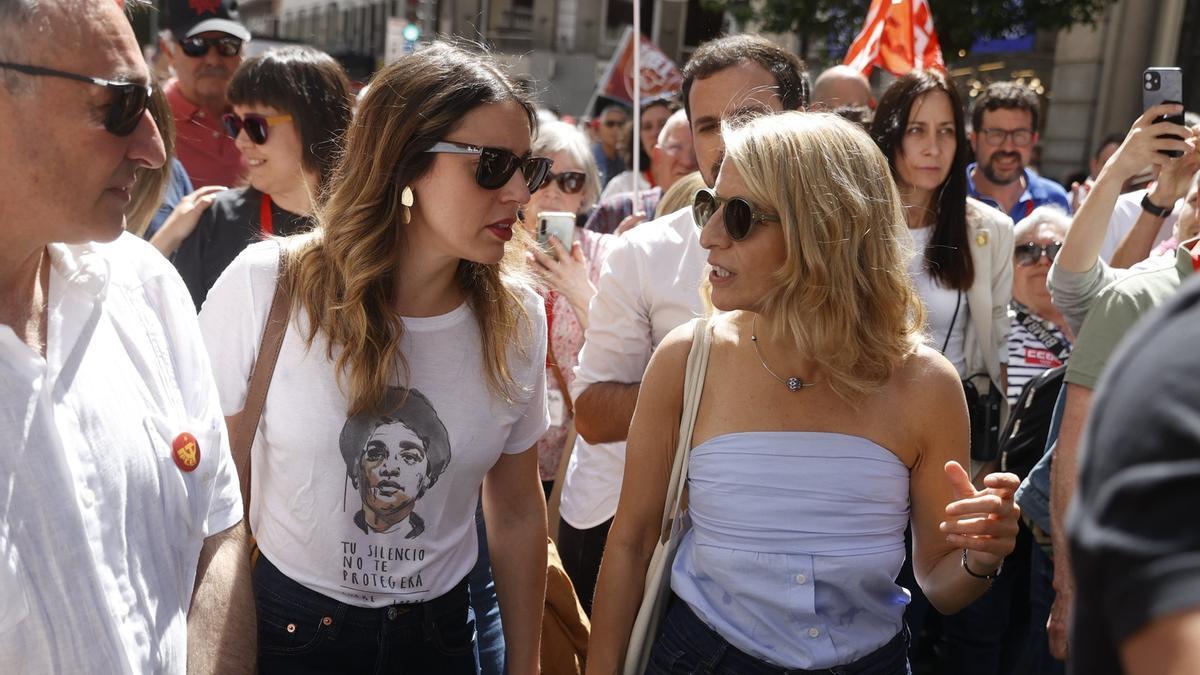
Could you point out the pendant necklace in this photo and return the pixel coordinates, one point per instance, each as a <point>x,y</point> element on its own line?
<point>792,383</point>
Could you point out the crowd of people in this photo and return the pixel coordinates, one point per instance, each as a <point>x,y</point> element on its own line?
<point>298,379</point>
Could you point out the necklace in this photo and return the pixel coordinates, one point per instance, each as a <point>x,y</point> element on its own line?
<point>792,383</point>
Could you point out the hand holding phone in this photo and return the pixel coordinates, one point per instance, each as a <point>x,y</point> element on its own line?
<point>1164,85</point>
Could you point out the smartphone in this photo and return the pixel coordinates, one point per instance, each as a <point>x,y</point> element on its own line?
<point>559,224</point>
<point>1164,85</point>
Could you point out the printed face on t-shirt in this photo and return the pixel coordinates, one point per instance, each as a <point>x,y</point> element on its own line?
<point>393,474</point>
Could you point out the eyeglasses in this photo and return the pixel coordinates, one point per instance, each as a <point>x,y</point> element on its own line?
<point>129,99</point>
<point>570,182</point>
<point>255,125</point>
<point>199,46</point>
<point>996,137</point>
<point>613,123</point>
<point>497,165</point>
<point>740,215</point>
<point>1029,254</point>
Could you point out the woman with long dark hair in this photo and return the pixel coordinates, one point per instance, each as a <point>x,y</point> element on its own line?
<point>410,374</point>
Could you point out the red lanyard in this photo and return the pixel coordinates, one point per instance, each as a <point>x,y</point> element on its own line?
<point>264,216</point>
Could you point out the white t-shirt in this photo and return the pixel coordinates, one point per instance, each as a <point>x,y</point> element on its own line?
<point>371,510</point>
<point>649,284</point>
<point>101,526</point>
<point>1125,214</point>
<point>947,314</point>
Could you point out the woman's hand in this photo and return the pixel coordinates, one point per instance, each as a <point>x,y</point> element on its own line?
<point>182,221</point>
<point>567,273</point>
<point>630,221</point>
<point>984,522</point>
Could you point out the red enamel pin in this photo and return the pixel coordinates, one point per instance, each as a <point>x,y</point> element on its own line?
<point>186,452</point>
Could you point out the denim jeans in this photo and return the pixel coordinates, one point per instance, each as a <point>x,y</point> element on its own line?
<point>304,632</point>
<point>581,552</point>
<point>686,645</point>
<point>1041,596</point>
<point>486,605</point>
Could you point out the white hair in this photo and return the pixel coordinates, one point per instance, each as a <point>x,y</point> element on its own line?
<point>559,136</point>
<point>1049,215</point>
<point>677,117</point>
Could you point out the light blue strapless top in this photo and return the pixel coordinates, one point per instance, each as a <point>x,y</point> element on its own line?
<point>795,544</point>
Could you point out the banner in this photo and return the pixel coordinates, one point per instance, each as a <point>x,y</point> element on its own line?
<point>897,36</point>
<point>660,75</point>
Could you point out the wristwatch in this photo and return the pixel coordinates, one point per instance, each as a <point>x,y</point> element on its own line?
<point>1155,210</point>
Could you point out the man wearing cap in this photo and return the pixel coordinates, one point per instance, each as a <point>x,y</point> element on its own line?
<point>204,47</point>
<point>122,548</point>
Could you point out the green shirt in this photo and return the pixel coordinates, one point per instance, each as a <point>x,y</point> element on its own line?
<point>1117,308</point>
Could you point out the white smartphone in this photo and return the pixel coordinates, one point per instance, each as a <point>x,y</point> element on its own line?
<point>559,224</point>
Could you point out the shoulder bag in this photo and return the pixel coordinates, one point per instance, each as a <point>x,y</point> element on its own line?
<point>657,589</point>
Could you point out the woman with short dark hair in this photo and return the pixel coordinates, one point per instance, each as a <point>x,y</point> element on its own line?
<point>291,106</point>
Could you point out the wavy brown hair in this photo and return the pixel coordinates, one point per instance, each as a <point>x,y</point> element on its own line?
<point>843,294</point>
<point>344,273</point>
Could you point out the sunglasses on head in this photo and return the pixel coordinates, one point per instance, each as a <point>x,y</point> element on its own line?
<point>497,165</point>
<point>740,215</point>
<point>199,46</point>
<point>129,99</point>
<point>256,126</point>
<point>1031,253</point>
<point>570,182</point>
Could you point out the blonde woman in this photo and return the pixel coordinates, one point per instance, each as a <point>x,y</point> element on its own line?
<point>830,427</point>
<point>410,373</point>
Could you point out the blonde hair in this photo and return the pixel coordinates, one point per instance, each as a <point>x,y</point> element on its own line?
<point>680,194</point>
<point>344,273</point>
<point>844,295</point>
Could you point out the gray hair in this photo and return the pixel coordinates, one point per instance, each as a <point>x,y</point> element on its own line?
<point>1049,215</point>
<point>557,136</point>
<point>15,17</point>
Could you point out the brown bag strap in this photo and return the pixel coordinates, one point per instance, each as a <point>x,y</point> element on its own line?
<point>560,380</point>
<point>243,430</point>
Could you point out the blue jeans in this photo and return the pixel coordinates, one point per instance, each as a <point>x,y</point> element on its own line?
<point>304,632</point>
<point>486,605</point>
<point>686,645</point>
<point>1041,595</point>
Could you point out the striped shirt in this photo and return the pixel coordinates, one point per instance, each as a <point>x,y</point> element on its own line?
<point>1028,355</point>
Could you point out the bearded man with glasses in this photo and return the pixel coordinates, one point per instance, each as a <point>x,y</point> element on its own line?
<point>204,48</point>
<point>121,548</point>
<point>1004,131</point>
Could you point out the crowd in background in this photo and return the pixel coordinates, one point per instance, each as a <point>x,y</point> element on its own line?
<point>911,451</point>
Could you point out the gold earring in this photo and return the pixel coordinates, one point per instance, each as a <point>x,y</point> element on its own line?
<point>406,199</point>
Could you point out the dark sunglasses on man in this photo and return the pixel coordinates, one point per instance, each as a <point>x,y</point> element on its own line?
<point>570,182</point>
<point>740,215</point>
<point>497,165</point>
<point>1031,253</point>
<point>255,125</point>
<point>129,99</point>
<point>226,45</point>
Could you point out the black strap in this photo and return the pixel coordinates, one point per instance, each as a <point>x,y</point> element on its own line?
<point>1039,331</point>
<point>953,320</point>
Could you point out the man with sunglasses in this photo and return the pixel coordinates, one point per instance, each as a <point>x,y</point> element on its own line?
<point>121,548</point>
<point>1004,131</point>
<point>204,48</point>
<point>609,124</point>
<point>650,285</point>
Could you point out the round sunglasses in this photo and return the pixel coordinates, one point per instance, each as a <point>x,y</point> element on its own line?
<point>740,215</point>
<point>129,99</point>
<point>256,126</point>
<point>570,182</point>
<point>497,165</point>
<point>1031,253</point>
<point>199,46</point>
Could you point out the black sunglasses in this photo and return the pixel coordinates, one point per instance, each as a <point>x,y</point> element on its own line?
<point>199,46</point>
<point>1031,253</point>
<point>497,165</point>
<point>570,182</point>
<point>256,126</point>
<point>740,215</point>
<point>129,99</point>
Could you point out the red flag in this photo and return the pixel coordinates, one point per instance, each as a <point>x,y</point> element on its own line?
<point>660,75</point>
<point>897,36</point>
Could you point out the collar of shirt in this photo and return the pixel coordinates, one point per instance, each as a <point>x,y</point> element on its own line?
<point>183,109</point>
<point>1187,258</point>
<point>1034,195</point>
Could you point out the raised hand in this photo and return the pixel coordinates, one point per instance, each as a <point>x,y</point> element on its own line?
<point>1146,138</point>
<point>982,521</point>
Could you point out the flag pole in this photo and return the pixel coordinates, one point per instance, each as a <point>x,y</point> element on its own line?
<point>637,104</point>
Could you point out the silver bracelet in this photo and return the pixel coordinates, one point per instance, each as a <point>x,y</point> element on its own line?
<point>988,577</point>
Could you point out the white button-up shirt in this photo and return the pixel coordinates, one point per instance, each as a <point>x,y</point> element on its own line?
<point>100,530</point>
<point>649,285</point>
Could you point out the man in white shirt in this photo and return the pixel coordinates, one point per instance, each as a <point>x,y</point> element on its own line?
<point>121,548</point>
<point>651,284</point>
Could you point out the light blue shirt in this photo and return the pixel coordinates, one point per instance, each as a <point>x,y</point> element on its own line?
<point>795,544</point>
